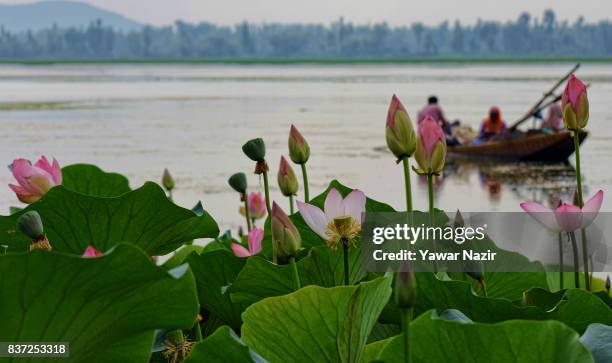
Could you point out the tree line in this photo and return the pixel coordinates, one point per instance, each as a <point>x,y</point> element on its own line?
<point>526,36</point>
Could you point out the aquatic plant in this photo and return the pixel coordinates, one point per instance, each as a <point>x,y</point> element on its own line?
<point>299,152</point>
<point>34,180</point>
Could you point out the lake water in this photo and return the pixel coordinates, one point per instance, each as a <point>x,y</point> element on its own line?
<point>193,119</point>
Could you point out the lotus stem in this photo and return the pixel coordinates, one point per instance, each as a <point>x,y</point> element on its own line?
<point>305,177</point>
<point>406,162</point>
<point>430,182</point>
<point>560,261</point>
<point>291,210</point>
<point>585,259</point>
<point>585,252</point>
<point>295,273</point>
<point>246,212</point>
<point>345,247</point>
<point>406,318</point>
<point>267,193</point>
<point>576,263</point>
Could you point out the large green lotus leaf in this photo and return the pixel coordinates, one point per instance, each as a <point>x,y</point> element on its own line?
<point>91,180</point>
<point>436,340</point>
<point>310,238</point>
<point>144,217</point>
<point>323,267</point>
<point>598,338</point>
<point>223,346</point>
<point>105,307</point>
<point>215,272</point>
<point>316,324</point>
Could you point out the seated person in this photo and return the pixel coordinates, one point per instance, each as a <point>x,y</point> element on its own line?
<point>554,118</point>
<point>491,126</point>
<point>435,111</point>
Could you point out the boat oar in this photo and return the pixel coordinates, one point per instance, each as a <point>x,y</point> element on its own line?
<point>538,106</point>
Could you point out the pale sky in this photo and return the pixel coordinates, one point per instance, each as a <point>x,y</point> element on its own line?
<point>395,12</point>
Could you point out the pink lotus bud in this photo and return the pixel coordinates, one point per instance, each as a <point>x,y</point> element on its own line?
<point>400,135</point>
<point>34,180</point>
<point>299,150</point>
<point>257,205</point>
<point>91,251</point>
<point>430,152</point>
<point>575,104</point>
<point>285,235</point>
<point>287,181</point>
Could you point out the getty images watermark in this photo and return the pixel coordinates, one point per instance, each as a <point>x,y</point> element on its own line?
<point>502,242</point>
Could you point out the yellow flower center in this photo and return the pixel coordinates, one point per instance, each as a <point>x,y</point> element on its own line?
<point>343,228</point>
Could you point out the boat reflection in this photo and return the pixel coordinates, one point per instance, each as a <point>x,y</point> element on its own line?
<point>540,182</point>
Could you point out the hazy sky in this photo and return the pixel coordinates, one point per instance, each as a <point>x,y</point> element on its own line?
<point>361,11</point>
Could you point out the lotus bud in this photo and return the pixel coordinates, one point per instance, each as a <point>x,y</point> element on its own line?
<point>238,182</point>
<point>575,104</point>
<point>430,152</point>
<point>91,251</point>
<point>287,181</point>
<point>299,150</point>
<point>405,290</point>
<point>459,221</point>
<point>168,180</point>
<point>34,181</point>
<point>608,284</point>
<point>401,138</point>
<point>30,224</point>
<point>285,235</point>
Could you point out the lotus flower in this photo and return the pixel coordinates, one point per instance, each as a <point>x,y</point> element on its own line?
<point>341,218</point>
<point>287,181</point>
<point>255,237</point>
<point>34,180</point>
<point>566,217</point>
<point>299,150</point>
<point>400,135</point>
<point>91,251</point>
<point>257,205</point>
<point>431,147</point>
<point>286,237</point>
<point>575,104</point>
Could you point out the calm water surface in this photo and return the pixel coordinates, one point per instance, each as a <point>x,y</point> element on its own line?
<point>193,119</point>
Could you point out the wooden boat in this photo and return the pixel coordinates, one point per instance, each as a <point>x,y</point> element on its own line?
<point>530,146</point>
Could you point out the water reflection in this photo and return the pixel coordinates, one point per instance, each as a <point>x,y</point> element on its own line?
<point>543,183</point>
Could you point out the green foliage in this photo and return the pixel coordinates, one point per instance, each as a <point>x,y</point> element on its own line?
<point>224,346</point>
<point>106,307</point>
<point>90,180</point>
<point>144,217</point>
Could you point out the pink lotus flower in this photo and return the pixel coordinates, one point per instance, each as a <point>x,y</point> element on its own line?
<point>573,90</point>
<point>91,251</point>
<point>257,205</point>
<point>255,237</point>
<point>34,180</point>
<point>431,147</point>
<point>340,219</point>
<point>566,217</point>
<point>575,104</point>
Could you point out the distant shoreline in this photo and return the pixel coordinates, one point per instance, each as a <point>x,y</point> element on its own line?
<point>315,61</point>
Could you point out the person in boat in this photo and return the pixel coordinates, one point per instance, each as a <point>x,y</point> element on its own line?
<point>491,127</point>
<point>554,119</point>
<point>434,110</point>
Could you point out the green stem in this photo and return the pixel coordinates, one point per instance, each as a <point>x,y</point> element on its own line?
<point>406,162</point>
<point>305,176</point>
<point>197,332</point>
<point>345,247</point>
<point>578,174</point>
<point>267,194</point>
<point>576,263</point>
<point>291,210</point>
<point>406,318</point>
<point>431,213</point>
<point>560,261</point>
<point>483,285</point>
<point>585,259</point>
<point>170,195</point>
<point>246,212</point>
<point>295,274</point>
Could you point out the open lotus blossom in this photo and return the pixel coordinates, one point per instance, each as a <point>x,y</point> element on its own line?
<point>91,251</point>
<point>341,218</point>
<point>566,217</point>
<point>255,237</point>
<point>34,180</point>
<point>257,205</point>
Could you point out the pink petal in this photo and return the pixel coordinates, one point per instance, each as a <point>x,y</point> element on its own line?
<point>21,169</point>
<point>19,190</point>
<point>334,206</point>
<point>255,237</point>
<point>430,133</point>
<point>314,218</point>
<point>591,208</point>
<point>56,172</point>
<point>239,250</point>
<point>91,251</point>
<point>354,204</point>
<point>569,217</point>
<point>543,215</point>
<point>394,106</point>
